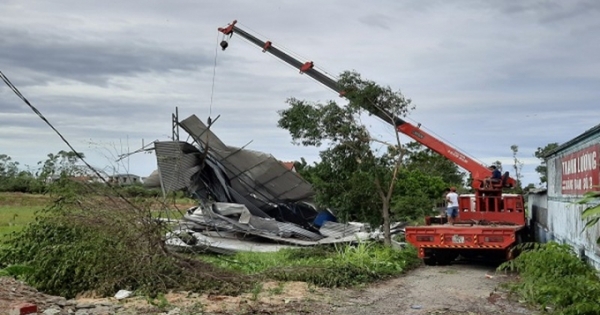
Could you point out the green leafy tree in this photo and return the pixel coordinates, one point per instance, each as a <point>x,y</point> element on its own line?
<point>13,179</point>
<point>529,187</point>
<point>517,167</point>
<point>498,165</point>
<point>417,192</point>
<point>8,167</point>
<point>419,157</point>
<point>541,153</point>
<point>64,163</point>
<point>352,177</point>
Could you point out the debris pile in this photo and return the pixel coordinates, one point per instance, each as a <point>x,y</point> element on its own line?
<point>247,200</point>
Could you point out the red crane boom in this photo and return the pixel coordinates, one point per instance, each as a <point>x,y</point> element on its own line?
<point>491,223</point>
<point>478,171</point>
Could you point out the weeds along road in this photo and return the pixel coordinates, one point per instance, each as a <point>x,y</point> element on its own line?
<point>461,288</point>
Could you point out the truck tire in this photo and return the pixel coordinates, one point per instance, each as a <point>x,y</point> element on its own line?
<point>429,261</point>
<point>445,260</point>
<point>440,257</point>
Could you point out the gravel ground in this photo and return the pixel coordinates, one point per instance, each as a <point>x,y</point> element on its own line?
<point>456,289</point>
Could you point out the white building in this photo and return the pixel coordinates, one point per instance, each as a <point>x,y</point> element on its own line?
<point>125,179</point>
<point>573,169</point>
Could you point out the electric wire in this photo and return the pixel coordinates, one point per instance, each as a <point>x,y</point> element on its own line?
<point>43,118</point>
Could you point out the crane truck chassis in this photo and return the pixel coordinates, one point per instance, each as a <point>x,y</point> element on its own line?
<point>490,223</point>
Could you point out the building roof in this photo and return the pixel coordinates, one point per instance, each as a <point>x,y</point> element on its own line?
<point>81,178</point>
<point>288,165</point>
<point>124,175</point>
<point>586,134</point>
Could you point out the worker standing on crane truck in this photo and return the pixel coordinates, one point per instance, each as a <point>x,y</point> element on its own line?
<point>452,207</point>
<point>490,223</point>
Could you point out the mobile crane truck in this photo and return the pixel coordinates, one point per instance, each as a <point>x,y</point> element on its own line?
<point>490,223</point>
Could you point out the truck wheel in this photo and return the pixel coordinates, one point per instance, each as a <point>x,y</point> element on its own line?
<point>445,258</point>
<point>429,261</point>
<point>444,261</point>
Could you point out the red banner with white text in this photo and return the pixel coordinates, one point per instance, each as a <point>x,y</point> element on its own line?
<point>581,171</point>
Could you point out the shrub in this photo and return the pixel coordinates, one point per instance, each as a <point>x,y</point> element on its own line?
<point>134,191</point>
<point>104,244</point>
<point>551,275</point>
<point>23,184</point>
<point>340,266</point>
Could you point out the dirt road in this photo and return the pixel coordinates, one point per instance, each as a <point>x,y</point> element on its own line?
<point>456,289</point>
<point>464,289</point>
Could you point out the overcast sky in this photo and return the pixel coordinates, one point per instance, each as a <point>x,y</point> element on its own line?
<point>108,74</point>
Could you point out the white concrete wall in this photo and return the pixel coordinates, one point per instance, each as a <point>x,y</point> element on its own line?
<point>566,226</point>
<point>562,217</point>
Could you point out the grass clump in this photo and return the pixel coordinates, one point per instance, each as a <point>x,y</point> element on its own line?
<point>553,277</point>
<point>81,244</point>
<point>340,266</point>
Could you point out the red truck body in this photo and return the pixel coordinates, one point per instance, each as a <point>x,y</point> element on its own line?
<point>485,234</point>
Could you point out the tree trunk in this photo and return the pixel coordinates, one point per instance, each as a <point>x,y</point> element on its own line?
<point>387,237</point>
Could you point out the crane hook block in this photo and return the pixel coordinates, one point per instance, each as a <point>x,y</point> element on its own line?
<point>306,66</point>
<point>224,44</point>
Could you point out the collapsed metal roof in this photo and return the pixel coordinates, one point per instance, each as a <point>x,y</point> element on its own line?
<point>245,198</point>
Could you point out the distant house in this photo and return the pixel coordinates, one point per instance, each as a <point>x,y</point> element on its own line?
<point>91,178</point>
<point>87,179</point>
<point>289,166</point>
<point>125,179</point>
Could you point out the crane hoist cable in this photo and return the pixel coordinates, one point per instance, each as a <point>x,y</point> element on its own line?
<point>212,90</point>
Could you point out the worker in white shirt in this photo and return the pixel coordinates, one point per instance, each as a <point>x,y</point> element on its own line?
<point>452,205</point>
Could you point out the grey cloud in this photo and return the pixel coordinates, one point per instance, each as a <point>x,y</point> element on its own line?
<point>462,62</point>
<point>552,11</point>
<point>10,103</point>
<point>377,20</point>
<point>92,62</point>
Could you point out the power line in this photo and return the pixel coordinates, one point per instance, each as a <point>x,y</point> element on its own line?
<point>42,117</point>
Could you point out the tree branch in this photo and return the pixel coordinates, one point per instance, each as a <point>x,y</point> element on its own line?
<point>382,142</point>
<point>380,189</point>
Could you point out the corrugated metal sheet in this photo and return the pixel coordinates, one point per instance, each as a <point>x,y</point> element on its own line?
<point>234,235</point>
<point>256,226</point>
<point>175,168</point>
<point>338,230</point>
<point>298,231</point>
<point>252,173</point>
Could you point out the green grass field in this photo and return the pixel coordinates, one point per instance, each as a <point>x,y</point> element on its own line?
<point>16,210</point>
<point>14,218</point>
